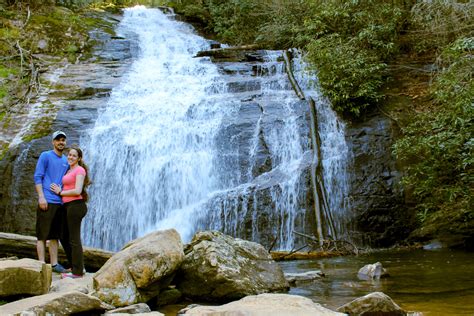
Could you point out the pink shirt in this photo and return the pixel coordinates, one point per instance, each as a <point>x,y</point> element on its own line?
<point>69,183</point>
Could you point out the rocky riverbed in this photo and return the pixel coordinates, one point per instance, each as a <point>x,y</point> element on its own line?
<point>157,270</point>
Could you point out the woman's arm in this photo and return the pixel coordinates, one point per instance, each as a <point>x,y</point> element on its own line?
<point>74,192</point>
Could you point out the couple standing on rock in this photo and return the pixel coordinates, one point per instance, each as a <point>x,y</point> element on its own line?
<point>60,183</point>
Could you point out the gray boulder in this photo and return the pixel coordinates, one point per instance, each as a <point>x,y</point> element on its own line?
<point>140,270</point>
<point>376,303</point>
<point>55,304</point>
<point>264,305</point>
<point>304,277</point>
<point>24,277</point>
<point>218,267</point>
<point>372,271</point>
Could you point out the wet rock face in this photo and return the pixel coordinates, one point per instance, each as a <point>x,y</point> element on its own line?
<point>254,216</point>
<point>79,92</point>
<point>249,157</point>
<point>376,196</point>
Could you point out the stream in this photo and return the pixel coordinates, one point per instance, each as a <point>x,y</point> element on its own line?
<point>436,282</point>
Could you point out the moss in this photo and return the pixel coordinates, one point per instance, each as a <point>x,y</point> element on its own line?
<point>6,71</point>
<point>3,153</point>
<point>6,120</point>
<point>3,93</point>
<point>41,126</point>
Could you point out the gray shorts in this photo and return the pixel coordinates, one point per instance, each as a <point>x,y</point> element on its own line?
<point>48,223</point>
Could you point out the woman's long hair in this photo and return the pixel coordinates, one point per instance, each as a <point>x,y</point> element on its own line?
<point>81,163</point>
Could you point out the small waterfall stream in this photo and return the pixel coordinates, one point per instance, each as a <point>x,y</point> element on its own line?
<point>188,144</point>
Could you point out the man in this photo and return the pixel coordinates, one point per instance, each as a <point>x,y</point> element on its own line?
<point>51,167</point>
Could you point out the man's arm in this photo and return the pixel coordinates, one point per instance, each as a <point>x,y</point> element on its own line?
<point>39,175</point>
<point>43,204</point>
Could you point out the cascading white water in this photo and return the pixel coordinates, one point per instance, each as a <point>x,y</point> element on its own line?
<point>160,155</point>
<point>151,149</point>
<point>286,143</point>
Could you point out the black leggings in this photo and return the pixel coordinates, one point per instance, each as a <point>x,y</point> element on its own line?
<point>75,212</point>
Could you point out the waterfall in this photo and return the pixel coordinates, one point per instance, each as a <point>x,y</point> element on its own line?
<point>187,144</point>
<point>151,149</point>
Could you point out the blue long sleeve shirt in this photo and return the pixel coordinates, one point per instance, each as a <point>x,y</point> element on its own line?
<point>50,169</point>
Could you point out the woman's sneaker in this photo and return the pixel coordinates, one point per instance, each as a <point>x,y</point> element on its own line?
<point>59,268</point>
<point>70,275</point>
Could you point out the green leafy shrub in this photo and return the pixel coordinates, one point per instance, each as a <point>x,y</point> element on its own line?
<point>437,149</point>
<point>285,25</point>
<point>349,44</point>
<point>437,23</point>
<point>350,77</point>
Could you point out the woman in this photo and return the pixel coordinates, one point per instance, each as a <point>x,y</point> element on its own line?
<point>74,197</point>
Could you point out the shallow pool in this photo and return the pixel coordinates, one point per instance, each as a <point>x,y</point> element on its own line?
<point>435,282</point>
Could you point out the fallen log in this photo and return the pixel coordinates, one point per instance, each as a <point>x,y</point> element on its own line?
<point>232,54</point>
<point>301,255</point>
<point>14,245</point>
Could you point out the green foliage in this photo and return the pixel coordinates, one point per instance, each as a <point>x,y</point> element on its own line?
<point>233,21</point>
<point>351,77</point>
<point>438,23</point>
<point>438,146</point>
<point>348,42</point>
<point>3,93</point>
<point>285,24</point>
<point>6,71</point>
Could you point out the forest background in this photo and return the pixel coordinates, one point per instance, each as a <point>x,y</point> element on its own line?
<point>411,60</point>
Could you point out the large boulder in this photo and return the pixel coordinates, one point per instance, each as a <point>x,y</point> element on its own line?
<point>376,303</point>
<point>218,267</point>
<point>24,277</point>
<point>264,304</point>
<point>55,304</point>
<point>141,269</point>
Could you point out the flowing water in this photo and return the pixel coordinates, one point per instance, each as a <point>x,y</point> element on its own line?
<point>166,150</point>
<point>435,283</point>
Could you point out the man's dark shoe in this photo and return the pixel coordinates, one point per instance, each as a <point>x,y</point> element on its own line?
<point>59,268</point>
